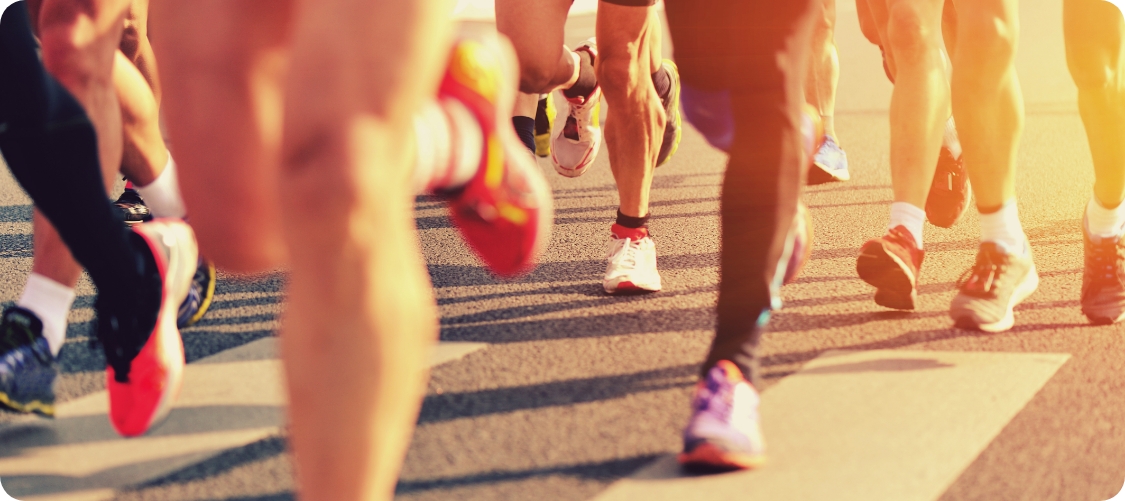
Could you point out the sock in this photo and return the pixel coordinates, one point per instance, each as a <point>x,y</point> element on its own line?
<point>542,121</point>
<point>1003,228</point>
<point>129,185</point>
<point>1104,222</point>
<point>449,143</point>
<point>587,80</point>
<point>909,216</point>
<point>162,195</point>
<point>662,82</point>
<point>525,129</point>
<point>631,222</point>
<point>951,141</point>
<point>51,302</point>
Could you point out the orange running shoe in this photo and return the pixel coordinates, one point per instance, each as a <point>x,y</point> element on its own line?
<point>142,395</point>
<point>505,211</point>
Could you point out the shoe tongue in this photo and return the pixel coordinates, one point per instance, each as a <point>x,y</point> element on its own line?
<point>620,232</point>
<point>570,129</point>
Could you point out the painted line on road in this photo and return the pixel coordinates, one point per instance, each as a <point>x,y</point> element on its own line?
<point>228,400</point>
<point>867,425</point>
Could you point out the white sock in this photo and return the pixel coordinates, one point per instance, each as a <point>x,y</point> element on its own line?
<point>162,195</point>
<point>449,143</point>
<point>951,140</point>
<point>51,302</point>
<point>1004,229</point>
<point>1103,222</point>
<point>913,218</point>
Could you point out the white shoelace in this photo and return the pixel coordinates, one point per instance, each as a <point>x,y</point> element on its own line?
<point>623,252</point>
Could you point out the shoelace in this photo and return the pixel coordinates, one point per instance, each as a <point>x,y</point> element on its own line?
<point>982,277</point>
<point>625,253</point>
<point>1105,258</point>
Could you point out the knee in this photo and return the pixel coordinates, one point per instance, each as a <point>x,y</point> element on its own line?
<point>618,74</point>
<point>1090,67</point>
<point>67,56</point>
<point>535,78</point>
<point>131,39</point>
<point>909,33</point>
<point>991,36</point>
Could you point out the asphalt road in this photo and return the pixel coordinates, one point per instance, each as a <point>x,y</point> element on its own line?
<point>576,390</point>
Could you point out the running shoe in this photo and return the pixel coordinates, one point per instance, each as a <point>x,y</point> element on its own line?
<point>724,432</point>
<point>949,194</point>
<point>674,124</point>
<point>199,296</point>
<point>992,288</point>
<point>829,164</point>
<point>144,375</point>
<point>544,120</point>
<point>27,367</point>
<point>133,208</point>
<point>1103,278</point>
<point>505,211</point>
<point>632,262</point>
<point>576,146</point>
<point>891,263</point>
<point>802,243</point>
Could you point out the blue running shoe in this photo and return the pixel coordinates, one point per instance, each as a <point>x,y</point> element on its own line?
<point>200,294</point>
<point>830,164</point>
<point>724,431</point>
<point>27,367</point>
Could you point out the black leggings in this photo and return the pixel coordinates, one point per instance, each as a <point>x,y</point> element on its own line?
<point>51,148</point>
<point>749,57</point>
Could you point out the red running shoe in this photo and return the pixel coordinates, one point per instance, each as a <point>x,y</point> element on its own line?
<point>505,212</point>
<point>949,194</point>
<point>891,263</point>
<point>144,394</point>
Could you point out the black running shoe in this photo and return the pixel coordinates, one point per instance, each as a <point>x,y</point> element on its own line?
<point>133,208</point>
<point>27,367</point>
<point>199,296</point>
<point>1103,278</point>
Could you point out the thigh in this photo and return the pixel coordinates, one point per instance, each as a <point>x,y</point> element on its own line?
<point>536,30</point>
<point>1093,30</point>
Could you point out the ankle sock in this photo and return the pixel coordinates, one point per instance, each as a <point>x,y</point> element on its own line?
<point>525,129</point>
<point>630,221</point>
<point>51,302</point>
<point>662,82</point>
<point>448,142</point>
<point>1104,222</point>
<point>911,217</point>
<point>162,195</point>
<point>1003,228</point>
<point>587,80</point>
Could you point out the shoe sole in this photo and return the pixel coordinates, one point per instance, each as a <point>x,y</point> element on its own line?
<point>969,321</point>
<point>893,281</point>
<point>627,288</point>
<point>32,406</point>
<point>676,113</point>
<point>709,458</point>
<point>591,154</point>
<point>1098,319</point>
<point>821,175</point>
<point>208,297</point>
<point>170,339</point>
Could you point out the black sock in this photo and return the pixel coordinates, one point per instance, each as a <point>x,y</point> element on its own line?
<point>587,80</point>
<point>663,83</point>
<point>542,121</point>
<point>632,222</point>
<point>525,129</point>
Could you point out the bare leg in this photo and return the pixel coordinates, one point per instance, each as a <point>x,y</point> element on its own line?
<point>136,47</point>
<point>635,127</point>
<point>145,153</point>
<point>361,314</point>
<point>226,61</point>
<point>987,101</point>
<point>536,31</point>
<point>1094,34</point>
<point>824,67</point>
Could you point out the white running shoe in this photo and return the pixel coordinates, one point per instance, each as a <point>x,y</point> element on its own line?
<point>577,143</point>
<point>632,262</point>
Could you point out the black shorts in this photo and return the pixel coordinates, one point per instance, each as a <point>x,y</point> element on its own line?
<point>632,3</point>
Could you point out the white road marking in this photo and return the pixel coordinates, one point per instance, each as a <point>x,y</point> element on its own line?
<point>228,400</point>
<point>868,425</point>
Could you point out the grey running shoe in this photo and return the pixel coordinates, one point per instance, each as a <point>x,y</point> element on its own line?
<point>1103,278</point>
<point>992,288</point>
